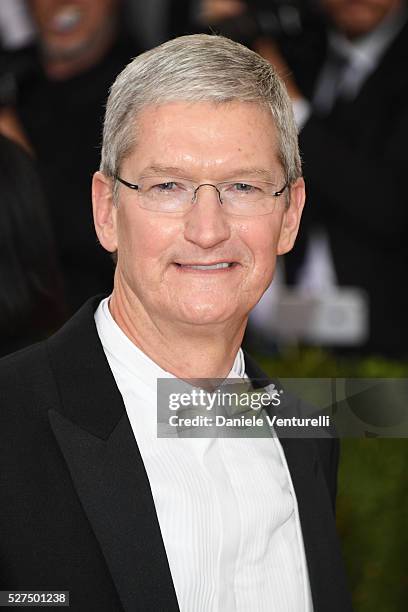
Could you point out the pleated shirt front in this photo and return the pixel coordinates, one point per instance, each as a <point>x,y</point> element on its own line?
<point>226,506</point>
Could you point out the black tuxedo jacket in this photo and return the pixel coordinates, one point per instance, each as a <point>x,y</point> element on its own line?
<point>355,167</point>
<point>76,507</point>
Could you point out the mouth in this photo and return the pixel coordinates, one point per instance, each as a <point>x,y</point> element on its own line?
<point>220,266</point>
<point>66,19</point>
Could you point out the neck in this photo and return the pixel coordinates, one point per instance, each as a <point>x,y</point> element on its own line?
<point>185,350</point>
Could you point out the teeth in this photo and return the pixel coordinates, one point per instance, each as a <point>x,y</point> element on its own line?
<point>67,18</point>
<point>218,266</point>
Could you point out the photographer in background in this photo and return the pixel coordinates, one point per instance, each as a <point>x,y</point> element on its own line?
<point>59,104</point>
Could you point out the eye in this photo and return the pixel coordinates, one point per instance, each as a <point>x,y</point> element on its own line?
<point>241,191</point>
<point>243,187</point>
<point>168,186</point>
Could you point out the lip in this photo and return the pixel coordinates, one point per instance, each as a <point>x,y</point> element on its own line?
<point>185,267</point>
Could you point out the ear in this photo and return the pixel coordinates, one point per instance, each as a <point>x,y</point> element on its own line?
<point>291,217</point>
<point>104,211</point>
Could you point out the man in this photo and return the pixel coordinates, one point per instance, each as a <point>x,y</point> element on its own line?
<point>60,104</point>
<point>350,91</point>
<point>199,191</point>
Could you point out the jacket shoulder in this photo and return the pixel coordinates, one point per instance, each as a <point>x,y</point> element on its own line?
<point>27,390</point>
<point>18,368</point>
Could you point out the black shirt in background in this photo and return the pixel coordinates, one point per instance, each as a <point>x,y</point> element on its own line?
<point>63,121</point>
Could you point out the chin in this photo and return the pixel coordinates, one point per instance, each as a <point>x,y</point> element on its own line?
<point>207,314</point>
<point>357,22</point>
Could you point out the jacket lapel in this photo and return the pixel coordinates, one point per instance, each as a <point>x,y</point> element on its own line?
<point>97,442</point>
<point>325,565</point>
<point>322,548</point>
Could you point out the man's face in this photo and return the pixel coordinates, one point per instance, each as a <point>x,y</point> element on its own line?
<point>358,17</point>
<point>69,27</point>
<point>204,143</point>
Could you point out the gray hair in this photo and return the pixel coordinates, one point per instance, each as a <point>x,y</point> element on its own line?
<point>196,68</point>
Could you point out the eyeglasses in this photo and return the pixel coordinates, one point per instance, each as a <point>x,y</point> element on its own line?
<point>175,195</point>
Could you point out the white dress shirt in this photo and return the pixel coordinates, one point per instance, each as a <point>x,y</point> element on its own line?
<point>226,506</point>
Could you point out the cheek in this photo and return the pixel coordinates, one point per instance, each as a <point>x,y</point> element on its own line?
<point>261,239</point>
<point>265,266</point>
<point>144,240</point>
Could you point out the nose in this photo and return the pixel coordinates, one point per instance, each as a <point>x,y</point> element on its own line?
<point>206,224</point>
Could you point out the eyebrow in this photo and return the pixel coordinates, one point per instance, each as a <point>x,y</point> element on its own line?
<point>249,171</point>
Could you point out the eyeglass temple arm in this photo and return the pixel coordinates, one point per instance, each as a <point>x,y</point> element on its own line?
<point>130,185</point>
<point>279,193</point>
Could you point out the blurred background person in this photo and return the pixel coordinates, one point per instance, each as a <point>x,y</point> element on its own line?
<point>344,63</point>
<point>59,103</point>
<point>31,299</point>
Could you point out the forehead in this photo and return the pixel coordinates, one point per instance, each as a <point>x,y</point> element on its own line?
<point>205,134</point>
